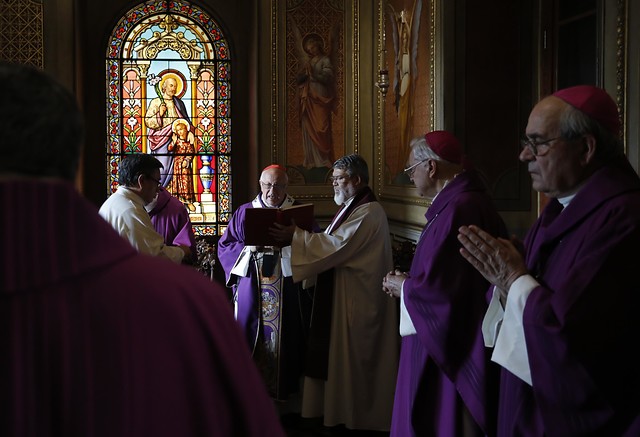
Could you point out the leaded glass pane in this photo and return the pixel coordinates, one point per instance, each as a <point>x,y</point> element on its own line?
<point>168,94</point>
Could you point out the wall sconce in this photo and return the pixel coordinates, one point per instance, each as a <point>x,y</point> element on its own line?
<point>383,82</point>
<point>383,73</point>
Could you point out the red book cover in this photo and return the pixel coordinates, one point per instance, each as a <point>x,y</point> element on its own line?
<point>258,221</point>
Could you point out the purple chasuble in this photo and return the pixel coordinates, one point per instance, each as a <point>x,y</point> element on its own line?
<point>445,371</point>
<point>272,311</point>
<point>581,322</point>
<point>171,220</point>
<point>99,340</point>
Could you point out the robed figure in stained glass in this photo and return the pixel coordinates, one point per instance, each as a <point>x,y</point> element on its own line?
<point>183,148</point>
<point>162,112</point>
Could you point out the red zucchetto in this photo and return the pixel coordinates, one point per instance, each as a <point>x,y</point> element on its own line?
<point>445,145</point>
<point>595,102</point>
<point>278,166</point>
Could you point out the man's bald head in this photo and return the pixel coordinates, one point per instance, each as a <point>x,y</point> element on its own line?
<point>273,185</point>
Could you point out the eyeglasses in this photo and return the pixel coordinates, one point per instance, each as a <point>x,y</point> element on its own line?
<point>534,146</point>
<point>269,186</point>
<point>412,168</point>
<point>338,179</point>
<point>154,180</point>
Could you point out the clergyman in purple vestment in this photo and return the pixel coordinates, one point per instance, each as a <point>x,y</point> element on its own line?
<point>447,385</point>
<point>97,339</point>
<point>170,218</point>
<point>273,312</point>
<point>563,320</point>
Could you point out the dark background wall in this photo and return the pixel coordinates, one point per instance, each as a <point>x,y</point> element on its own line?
<point>494,91</point>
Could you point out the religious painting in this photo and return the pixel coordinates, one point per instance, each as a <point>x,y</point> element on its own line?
<point>315,80</point>
<point>168,82</point>
<point>408,58</point>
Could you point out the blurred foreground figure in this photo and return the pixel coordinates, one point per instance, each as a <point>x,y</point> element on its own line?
<point>97,339</point>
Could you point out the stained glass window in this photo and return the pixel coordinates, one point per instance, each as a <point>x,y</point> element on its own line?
<point>168,94</point>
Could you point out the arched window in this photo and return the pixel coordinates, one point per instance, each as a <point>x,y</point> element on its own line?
<point>168,94</point>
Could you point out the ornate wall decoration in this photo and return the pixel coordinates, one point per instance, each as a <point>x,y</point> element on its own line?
<point>21,38</point>
<point>621,64</point>
<point>407,57</point>
<point>315,81</point>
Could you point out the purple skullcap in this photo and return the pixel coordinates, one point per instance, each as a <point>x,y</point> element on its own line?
<point>595,102</point>
<point>445,145</point>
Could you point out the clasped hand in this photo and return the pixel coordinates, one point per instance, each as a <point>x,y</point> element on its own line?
<point>282,233</point>
<point>497,259</point>
<point>392,283</point>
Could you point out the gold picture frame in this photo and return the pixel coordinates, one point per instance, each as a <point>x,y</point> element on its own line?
<point>308,35</point>
<point>408,59</point>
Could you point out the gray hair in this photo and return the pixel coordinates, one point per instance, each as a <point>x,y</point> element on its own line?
<point>354,165</point>
<point>575,123</point>
<point>422,151</point>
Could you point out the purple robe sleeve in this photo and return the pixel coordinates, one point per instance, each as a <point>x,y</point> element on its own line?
<point>580,323</point>
<point>172,221</point>
<point>183,229</point>
<point>231,243</point>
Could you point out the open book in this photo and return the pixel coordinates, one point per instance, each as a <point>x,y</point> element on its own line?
<point>258,221</point>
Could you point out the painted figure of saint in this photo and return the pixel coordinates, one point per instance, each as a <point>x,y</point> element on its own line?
<point>405,25</point>
<point>182,147</point>
<point>317,96</point>
<point>162,112</point>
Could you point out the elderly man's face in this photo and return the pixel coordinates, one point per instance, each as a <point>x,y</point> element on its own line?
<point>273,186</point>
<point>170,87</point>
<point>419,175</point>
<point>559,168</point>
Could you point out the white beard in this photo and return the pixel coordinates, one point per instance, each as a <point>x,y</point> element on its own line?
<point>339,198</point>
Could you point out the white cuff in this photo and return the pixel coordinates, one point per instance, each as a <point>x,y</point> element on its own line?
<point>241,267</point>
<point>406,324</point>
<point>492,319</point>
<point>285,259</point>
<point>309,282</point>
<point>510,349</point>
